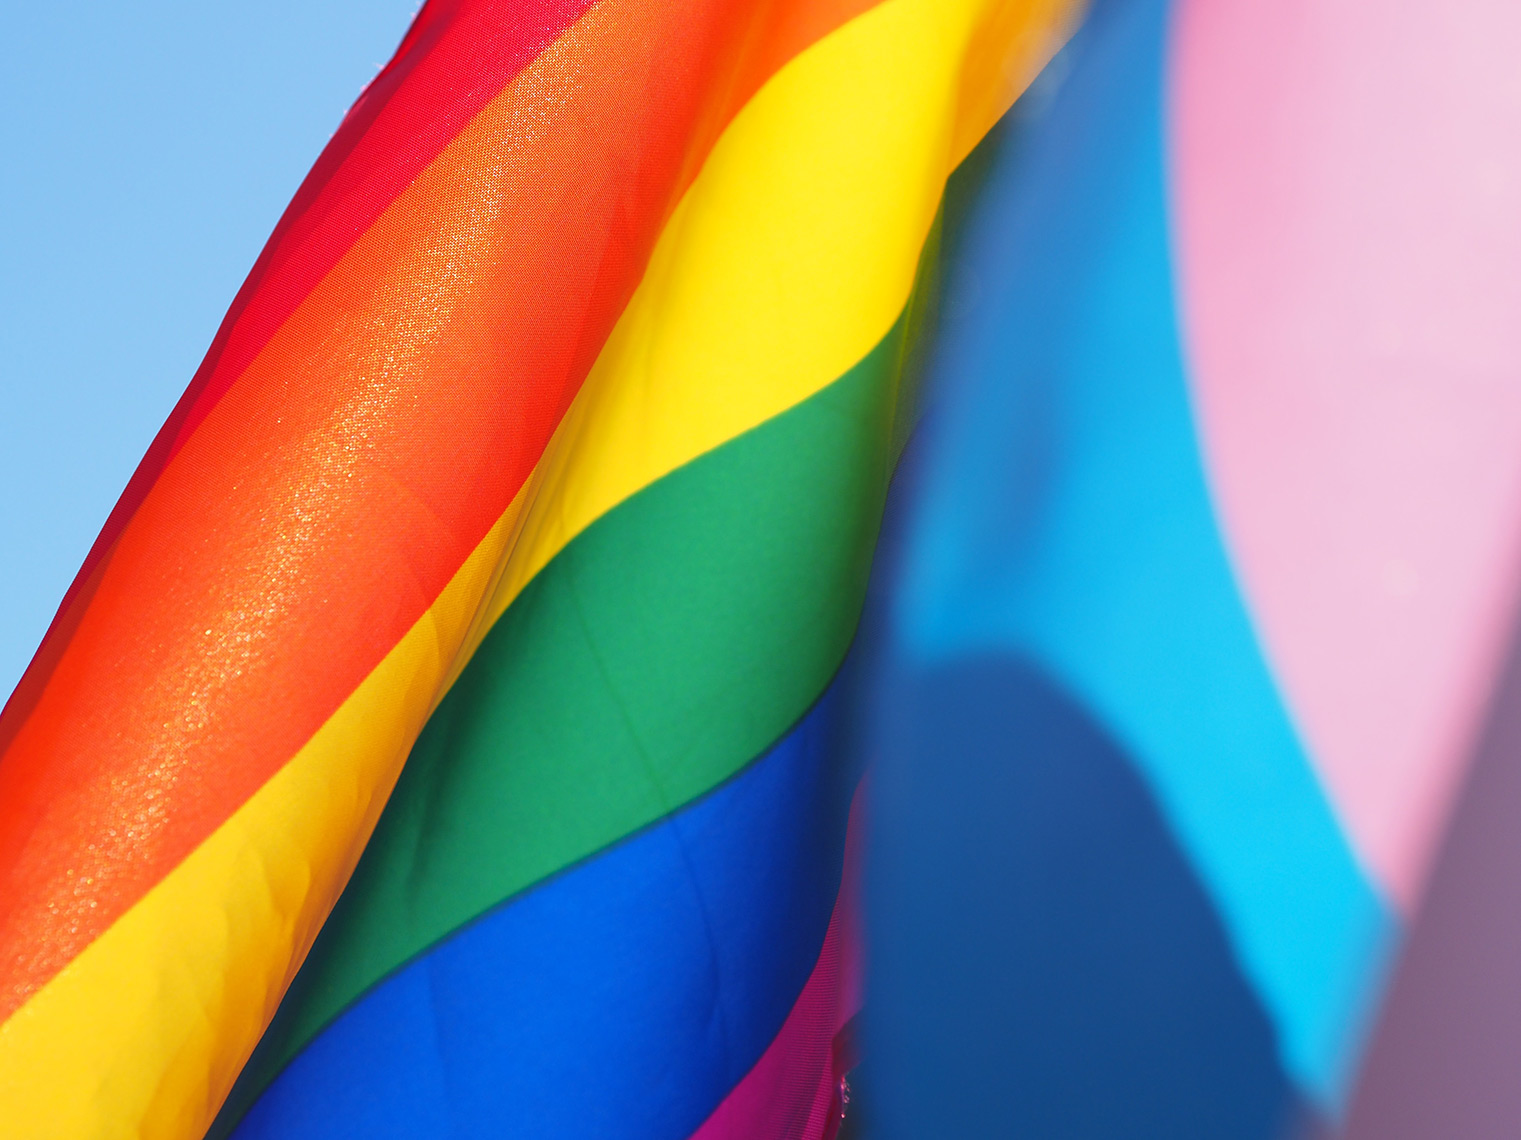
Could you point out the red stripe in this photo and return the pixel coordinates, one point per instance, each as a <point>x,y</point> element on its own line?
<point>457,56</point>
<point>454,60</point>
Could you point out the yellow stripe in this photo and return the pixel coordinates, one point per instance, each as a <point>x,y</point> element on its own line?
<point>144,1032</point>
<point>788,259</point>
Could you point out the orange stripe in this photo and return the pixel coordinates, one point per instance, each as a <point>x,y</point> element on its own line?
<point>322,505</point>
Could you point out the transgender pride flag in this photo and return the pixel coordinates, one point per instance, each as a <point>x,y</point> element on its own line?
<point>1209,581</point>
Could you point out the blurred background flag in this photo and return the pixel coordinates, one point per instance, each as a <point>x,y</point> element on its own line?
<point>1208,577</point>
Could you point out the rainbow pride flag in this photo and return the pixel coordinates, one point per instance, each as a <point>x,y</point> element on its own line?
<point>446,707</point>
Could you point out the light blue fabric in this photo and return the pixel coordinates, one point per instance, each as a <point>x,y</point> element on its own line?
<point>1066,518</point>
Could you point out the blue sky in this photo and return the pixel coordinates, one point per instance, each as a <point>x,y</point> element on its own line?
<point>148,150</point>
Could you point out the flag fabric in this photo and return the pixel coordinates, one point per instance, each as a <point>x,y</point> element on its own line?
<point>454,729</point>
<point>501,555</point>
<point>1209,573</point>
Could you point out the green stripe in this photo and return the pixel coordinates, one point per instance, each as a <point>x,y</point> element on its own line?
<point>667,645</point>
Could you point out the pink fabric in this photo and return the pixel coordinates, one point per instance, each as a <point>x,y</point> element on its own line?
<point>1347,203</point>
<point>792,1093</point>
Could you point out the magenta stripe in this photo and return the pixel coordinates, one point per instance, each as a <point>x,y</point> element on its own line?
<point>792,1093</point>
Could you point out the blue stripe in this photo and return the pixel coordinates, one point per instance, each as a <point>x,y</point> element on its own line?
<point>620,1001</point>
<point>1066,520</point>
<point>1044,962</point>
